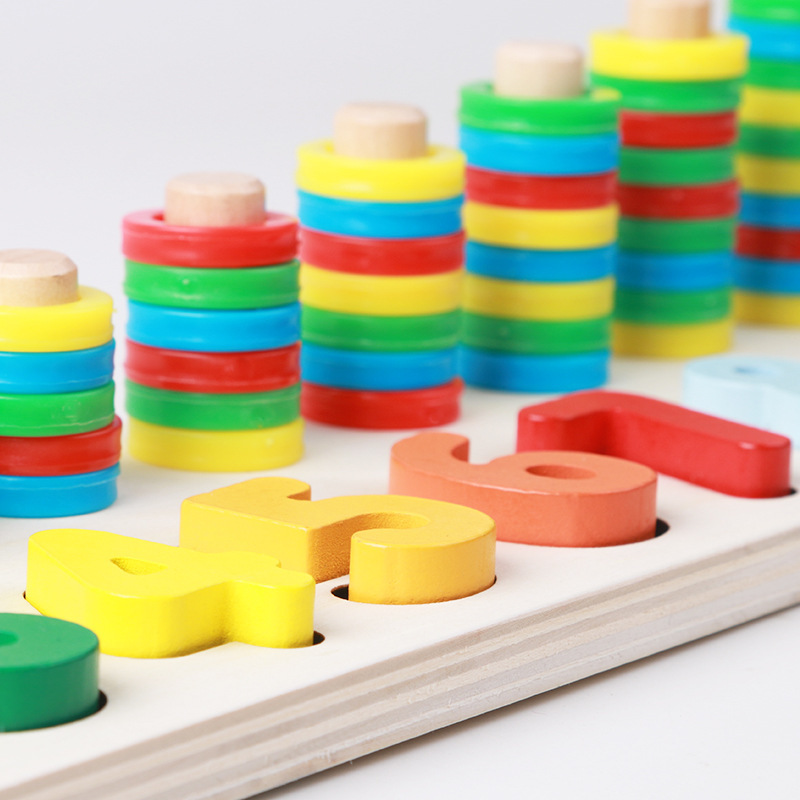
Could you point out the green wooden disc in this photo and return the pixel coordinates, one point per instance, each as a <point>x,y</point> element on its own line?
<point>676,236</point>
<point>775,142</point>
<point>647,166</point>
<point>774,74</point>
<point>783,11</point>
<point>667,308</point>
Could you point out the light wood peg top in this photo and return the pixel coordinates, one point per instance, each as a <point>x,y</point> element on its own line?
<point>538,70</point>
<point>380,131</point>
<point>214,200</point>
<point>670,19</point>
<point>37,278</point>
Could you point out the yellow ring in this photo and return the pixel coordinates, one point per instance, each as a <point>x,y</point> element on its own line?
<point>437,176</point>
<point>216,451</point>
<point>380,295</point>
<point>767,309</point>
<point>56,329</point>
<point>538,301</point>
<point>672,341</point>
<point>778,108</point>
<point>714,58</point>
<point>765,175</point>
<point>541,230</point>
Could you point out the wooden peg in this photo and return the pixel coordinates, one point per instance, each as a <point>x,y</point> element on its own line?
<point>670,19</point>
<point>215,200</point>
<point>538,70</point>
<point>37,278</point>
<point>380,131</point>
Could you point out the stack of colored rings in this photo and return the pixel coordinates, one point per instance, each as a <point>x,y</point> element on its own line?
<point>541,223</point>
<point>382,266</point>
<point>678,193</point>
<point>768,247</point>
<point>213,352</point>
<point>59,438</point>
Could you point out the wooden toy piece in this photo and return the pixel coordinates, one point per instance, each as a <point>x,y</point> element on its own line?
<point>48,672</point>
<point>552,498</point>
<point>380,131</point>
<point>538,70</point>
<point>37,278</point>
<point>149,600</point>
<point>214,200</point>
<point>670,19</point>
<point>399,550</point>
<point>707,451</point>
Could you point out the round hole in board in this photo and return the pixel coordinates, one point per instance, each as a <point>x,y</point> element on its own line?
<point>7,638</point>
<point>318,638</point>
<point>662,526</point>
<point>343,592</point>
<point>561,472</point>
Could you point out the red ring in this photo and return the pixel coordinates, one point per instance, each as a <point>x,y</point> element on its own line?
<point>49,456</point>
<point>363,256</point>
<point>648,129</point>
<point>539,191</point>
<point>213,373</point>
<point>778,244</point>
<point>420,408</point>
<point>679,202</point>
<point>147,238</point>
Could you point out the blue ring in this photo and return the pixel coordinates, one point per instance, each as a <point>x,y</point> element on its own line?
<point>675,271</point>
<point>511,372</point>
<point>58,496</point>
<point>56,373</point>
<point>563,266</point>
<point>770,211</point>
<point>529,154</point>
<point>769,39</point>
<point>380,220</point>
<point>351,369</point>
<point>206,331</point>
<point>771,277</point>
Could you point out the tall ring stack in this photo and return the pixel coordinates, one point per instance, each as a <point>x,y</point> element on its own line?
<point>381,273</point>
<point>678,194</point>
<point>213,380</point>
<point>59,438</point>
<point>768,246</point>
<point>541,223</point>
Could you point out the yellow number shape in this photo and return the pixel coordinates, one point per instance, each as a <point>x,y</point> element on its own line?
<point>149,600</point>
<point>398,549</point>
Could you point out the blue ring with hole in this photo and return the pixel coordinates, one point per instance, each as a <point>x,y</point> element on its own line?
<point>772,277</point>
<point>369,371</point>
<point>511,372</point>
<point>213,331</point>
<point>376,220</point>
<point>56,373</point>
<point>770,211</point>
<point>675,271</point>
<point>769,39</point>
<point>530,154</point>
<point>58,496</point>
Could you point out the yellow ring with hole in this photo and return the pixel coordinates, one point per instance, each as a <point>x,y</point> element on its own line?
<point>541,230</point>
<point>764,175</point>
<point>380,295</point>
<point>672,341</point>
<point>767,309</point>
<point>437,176</point>
<point>777,108</point>
<point>80,325</point>
<point>712,58</point>
<point>216,451</point>
<point>538,301</point>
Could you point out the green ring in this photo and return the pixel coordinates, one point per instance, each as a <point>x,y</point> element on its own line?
<point>60,414</point>
<point>379,334</point>
<point>670,308</point>
<point>701,97</point>
<point>676,236</point>
<point>786,12</point>
<point>213,412</point>
<point>774,142</point>
<point>574,116</point>
<point>535,337</point>
<point>645,166</point>
<point>188,287</point>
<point>774,74</point>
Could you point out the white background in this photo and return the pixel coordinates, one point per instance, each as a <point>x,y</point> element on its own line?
<point>102,102</point>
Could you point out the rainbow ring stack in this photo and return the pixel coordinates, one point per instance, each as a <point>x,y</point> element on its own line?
<point>541,223</point>
<point>381,272</point>
<point>213,329</point>
<point>59,438</point>
<point>768,246</point>
<point>678,194</point>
